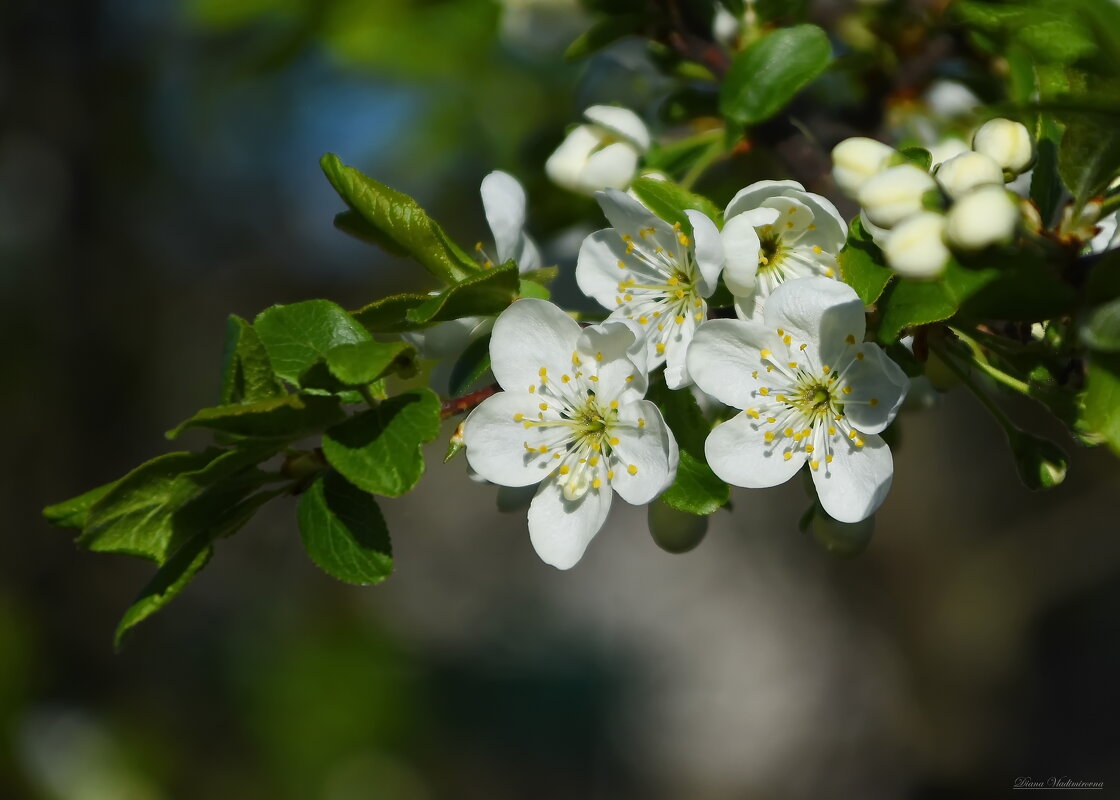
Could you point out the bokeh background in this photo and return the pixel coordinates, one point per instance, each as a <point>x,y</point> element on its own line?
<point>159,170</point>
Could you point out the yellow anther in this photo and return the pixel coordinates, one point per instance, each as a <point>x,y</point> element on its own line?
<point>648,231</point>
<point>874,401</point>
<point>478,246</point>
<point>852,434</point>
<point>802,347</point>
<point>830,272</point>
<point>859,442</point>
<point>683,239</point>
<point>753,413</point>
<point>809,448</point>
<point>764,391</point>
<point>847,390</point>
<point>596,447</point>
<point>698,303</point>
<point>556,456</point>
<point>698,316</point>
<point>543,406</point>
<point>593,461</point>
<point>805,433</point>
<point>656,314</point>
<point>788,431</point>
<point>598,356</point>
<point>518,417</point>
<point>764,353</point>
<point>532,389</point>
<point>543,372</point>
<point>660,348</point>
<point>787,455</point>
<point>763,261</point>
<point>627,237</point>
<point>575,358</point>
<point>769,367</point>
<point>754,374</point>
<point>792,364</point>
<point>614,441</point>
<point>614,405</point>
<point>851,339</point>
<point>658,250</point>
<point>632,469</point>
<point>629,378</point>
<point>673,280</point>
<point>627,297</point>
<point>859,356</point>
<point>629,248</point>
<point>528,424</point>
<point>621,264</point>
<point>610,475</point>
<point>679,319</point>
<point>828,459</point>
<point>781,398</point>
<point>679,294</point>
<point>565,469</point>
<point>769,436</point>
<point>826,369</point>
<point>565,378</point>
<point>789,225</point>
<point>543,448</point>
<point>817,249</point>
<point>831,430</point>
<point>812,228</point>
<point>641,422</point>
<point>593,378</point>
<point>676,226</point>
<point>771,420</point>
<point>596,484</point>
<point>643,320</point>
<point>787,339</point>
<point>814,464</point>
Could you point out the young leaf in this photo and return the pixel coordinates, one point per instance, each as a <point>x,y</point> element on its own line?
<point>400,219</point>
<point>1102,399</point>
<point>344,532</point>
<point>603,33</point>
<point>363,363</point>
<point>767,74</point>
<point>669,201</point>
<point>1101,331</point>
<point>247,374</point>
<point>1089,156</point>
<point>298,335</point>
<point>379,450</point>
<point>912,302</point>
<point>387,315</point>
<point>472,365</point>
<point>355,224</point>
<point>290,417</point>
<point>482,294</point>
<point>861,264</point>
<point>696,490</point>
<point>72,513</point>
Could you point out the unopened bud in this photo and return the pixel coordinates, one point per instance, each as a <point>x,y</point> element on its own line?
<point>842,538</point>
<point>982,218</point>
<point>916,247</point>
<point>964,172</point>
<point>455,444</point>
<point>1006,142</point>
<point>895,194</point>
<point>1041,463</point>
<point>675,531</point>
<point>857,159</point>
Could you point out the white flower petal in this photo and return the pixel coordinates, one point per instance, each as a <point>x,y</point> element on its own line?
<point>565,166</point>
<point>528,335</point>
<point>496,441</point>
<point>597,270</point>
<point>676,352</point>
<point>741,246</point>
<point>738,453</point>
<point>605,353</point>
<point>503,200</point>
<point>645,459</point>
<point>560,529</point>
<point>630,218</point>
<point>527,256</point>
<point>873,378</point>
<point>621,122</point>
<point>818,310</point>
<point>612,167</point>
<point>855,484</point>
<point>707,249</point>
<point>722,357</point>
<point>753,196</point>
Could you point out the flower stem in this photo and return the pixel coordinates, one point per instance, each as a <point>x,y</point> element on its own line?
<point>962,372</point>
<point>981,361</point>
<point>709,156</point>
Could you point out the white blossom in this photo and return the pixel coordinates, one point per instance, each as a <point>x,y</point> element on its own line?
<point>653,274</point>
<point>982,218</point>
<point>964,172</point>
<point>573,419</point>
<point>810,391</point>
<point>601,154</point>
<point>855,160</point>
<point>1006,142</point>
<point>775,231</point>
<point>916,247</point>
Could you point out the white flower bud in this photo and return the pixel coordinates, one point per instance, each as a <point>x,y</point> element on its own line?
<point>1006,142</point>
<point>602,154</point>
<point>982,218</point>
<point>916,248</point>
<point>895,194</point>
<point>857,159</point>
<point>946,149</point>
<point>962,173</point>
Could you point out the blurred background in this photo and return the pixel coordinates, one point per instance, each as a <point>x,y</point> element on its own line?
<point>159,170</point>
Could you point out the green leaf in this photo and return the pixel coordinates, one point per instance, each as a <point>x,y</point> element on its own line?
<point>1102,399</point>
<point>1026,288</point>
<point>767,74</point>
<point>533,289</point>
<point>247,374</point>
<point>170,579</point>
<point>388,314</point>
<point>1101,331</point>
<point>603,33</point>
<point>1089,156</point>
<point>483,294</point>
<point>917,156</point>
<point>696,490</point>
<point>861,264</point>
<point>362,363</point>
<point>472,365</point>
<point>910,302</point>
<point>155,508</point>
<point>683,416</point>
<point>401,220</point>
<point>290,417</point>
<point>344,532</point>
<point>72,513</point>
<point>298,335</point>
<point>669,201</point>
<point>355,224</point>
<point>379,450</point>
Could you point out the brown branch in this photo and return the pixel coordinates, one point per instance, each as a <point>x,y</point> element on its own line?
<point>461,405</point>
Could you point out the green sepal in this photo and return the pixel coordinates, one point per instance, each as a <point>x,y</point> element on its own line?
<point>669,201</point>
<point>379,450</point>
<point>344,532</point>
<point>533,289</point>
<point>247,374</point>
<point>285,418</point>
<point>1101,399</point>
<point>862,265</point>
<point>482,294</point>
<point>401,220</point>
<point>73,513</point>
<point>300,334</point>
<point>542,275</point>
<point>473,363</point>
<point>917,156</point>
<point>388,315</point>
<point>675,531</point>
<point>1041,464</point>
<point>767,74</point>
<point>908,302</point>
<point>696,490</point>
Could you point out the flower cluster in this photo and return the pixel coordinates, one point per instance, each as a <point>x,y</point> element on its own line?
<point>919,218</point>
<point>807,390</point>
